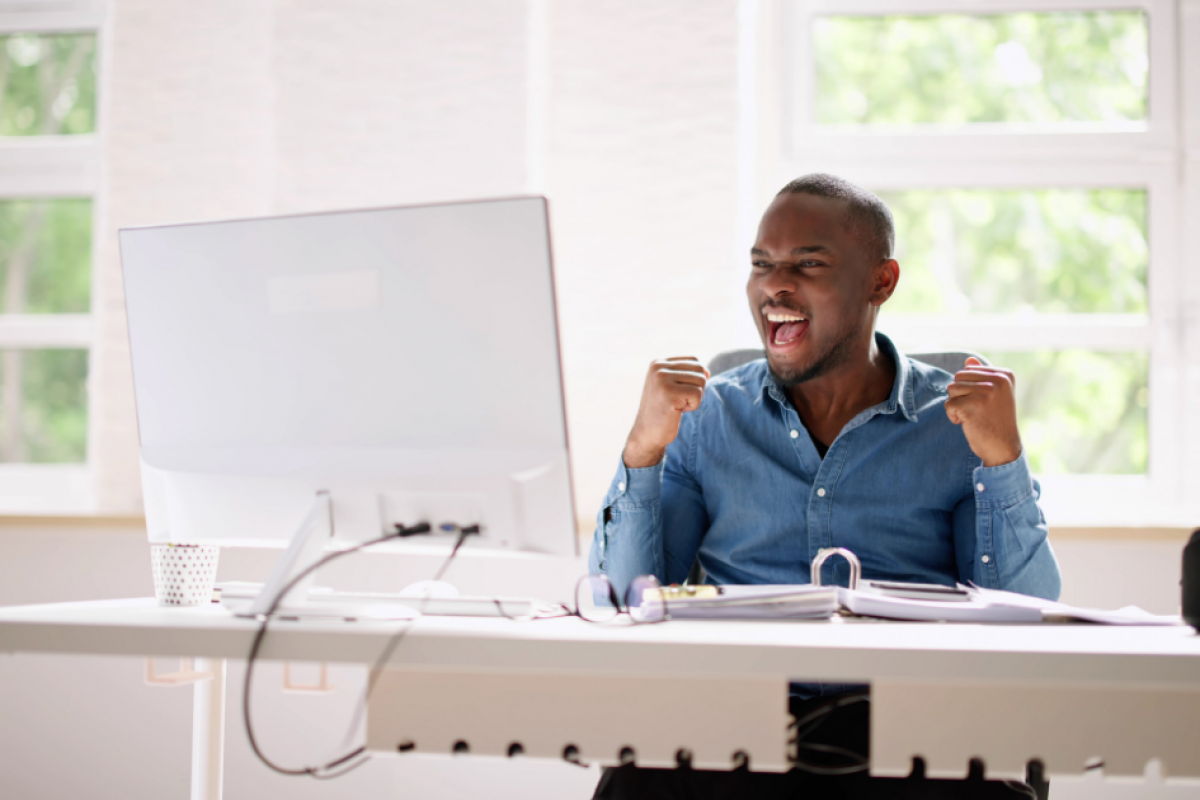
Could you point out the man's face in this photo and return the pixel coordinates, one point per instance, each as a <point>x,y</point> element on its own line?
<point>813,287</point>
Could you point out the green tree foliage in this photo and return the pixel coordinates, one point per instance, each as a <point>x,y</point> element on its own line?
<point>1040,251</point>
<point>47,84</point>
<point>45,256</point>
<point>47,88</point>
<point>1018,252</point>
<point>51,420</point>
<point>1001,251</point>
<point>45,268</point>
<point>955,69</point>
<point>1081,411</point>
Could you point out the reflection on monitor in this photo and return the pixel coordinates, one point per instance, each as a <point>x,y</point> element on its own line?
<point>404,360</point>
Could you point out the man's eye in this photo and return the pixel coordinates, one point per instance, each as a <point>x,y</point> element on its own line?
<point>760,265</point>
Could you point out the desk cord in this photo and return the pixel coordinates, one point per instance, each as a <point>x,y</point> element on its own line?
<point>330,769</point>
<point>804,727</point>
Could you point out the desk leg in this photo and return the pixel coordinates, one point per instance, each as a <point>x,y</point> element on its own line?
<point>208,731</point>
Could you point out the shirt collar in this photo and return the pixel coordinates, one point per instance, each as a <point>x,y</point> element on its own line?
<point>903,394</point>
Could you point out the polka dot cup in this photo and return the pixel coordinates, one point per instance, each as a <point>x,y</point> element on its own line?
<point>184,574</point>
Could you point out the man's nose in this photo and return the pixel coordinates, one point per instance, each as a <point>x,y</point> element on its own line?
<point>780,281</point>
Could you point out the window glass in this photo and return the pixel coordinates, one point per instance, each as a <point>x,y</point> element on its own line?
<point>45,256</point>
<point>957,68</point>
<point>1081,411</point>
<point>1045,250</point>
<point>43,405</point>
<point>47,84</point>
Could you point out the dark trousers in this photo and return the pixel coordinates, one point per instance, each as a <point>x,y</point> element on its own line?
<point>845,729</point>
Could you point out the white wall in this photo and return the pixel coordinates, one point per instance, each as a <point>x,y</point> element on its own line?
<point>642,174</point>
<point>623,112</point>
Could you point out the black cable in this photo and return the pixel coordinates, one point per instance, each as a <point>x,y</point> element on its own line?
<point>817,716</point>
<point>806,725</point>
<point>858,763</point>
<point>323,772</point>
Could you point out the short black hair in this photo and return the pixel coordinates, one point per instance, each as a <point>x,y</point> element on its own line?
<point>868,218</point>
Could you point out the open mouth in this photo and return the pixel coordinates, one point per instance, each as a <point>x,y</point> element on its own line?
<point>784,331</point>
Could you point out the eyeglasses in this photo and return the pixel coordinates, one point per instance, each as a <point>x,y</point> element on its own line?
<point>596,600</point>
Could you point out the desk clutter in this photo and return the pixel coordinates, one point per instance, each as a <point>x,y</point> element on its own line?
<point>917,602</point>
<point>888,600</point>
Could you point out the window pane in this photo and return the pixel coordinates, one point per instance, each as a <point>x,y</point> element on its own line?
<point>47,84</point>
<point>45,256</point>
<point>43,405</point>
<point>1045,250</point>
<point>957,68</point>
<point>1081,411</point>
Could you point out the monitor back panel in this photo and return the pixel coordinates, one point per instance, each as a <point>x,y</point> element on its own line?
<point>350,347</point>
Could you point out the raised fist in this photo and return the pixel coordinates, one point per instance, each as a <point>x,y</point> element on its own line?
<point>674,386</point>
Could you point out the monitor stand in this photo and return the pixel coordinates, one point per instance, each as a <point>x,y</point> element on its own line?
<point>307,546</point>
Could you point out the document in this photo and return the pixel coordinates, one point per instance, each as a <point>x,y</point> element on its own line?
<point>870,602</point>
<point>749,602</point>
<point>886,600</point>
<point>1053,611</point>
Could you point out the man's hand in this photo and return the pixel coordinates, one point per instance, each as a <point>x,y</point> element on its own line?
<point>673,386</point>
<point>981,400</point>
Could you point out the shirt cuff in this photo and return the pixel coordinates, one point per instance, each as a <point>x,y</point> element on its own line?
<point>1006,485</point>
<point>635,488</point>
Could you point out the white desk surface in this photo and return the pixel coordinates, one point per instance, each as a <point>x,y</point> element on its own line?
<point>844,650</point>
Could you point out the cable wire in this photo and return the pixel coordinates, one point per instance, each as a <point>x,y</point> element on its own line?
<point>806,725</point>
<point>330,770</point>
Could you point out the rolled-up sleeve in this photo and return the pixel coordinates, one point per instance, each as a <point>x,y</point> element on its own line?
<point>1012,548</point>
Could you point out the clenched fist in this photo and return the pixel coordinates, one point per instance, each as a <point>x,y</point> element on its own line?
<point>981,401</point>
<point>673,386</point>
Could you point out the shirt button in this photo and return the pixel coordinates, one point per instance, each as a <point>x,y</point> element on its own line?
<point>980,486</point>
<point>986,559</point>
<point>820,492</point>
<point>795,434</point>
<point>620,487</point>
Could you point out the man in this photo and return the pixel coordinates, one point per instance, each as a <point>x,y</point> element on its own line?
<point>835,439</point>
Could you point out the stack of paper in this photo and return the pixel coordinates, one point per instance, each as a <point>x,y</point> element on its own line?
<point>758,602</point>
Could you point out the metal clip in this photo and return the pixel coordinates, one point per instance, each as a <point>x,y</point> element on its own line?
<point>823,555</point>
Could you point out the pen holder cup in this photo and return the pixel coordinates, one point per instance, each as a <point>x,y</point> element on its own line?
<point>184,574</point>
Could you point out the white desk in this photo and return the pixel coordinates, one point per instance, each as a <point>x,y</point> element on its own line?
<point>948,693</point>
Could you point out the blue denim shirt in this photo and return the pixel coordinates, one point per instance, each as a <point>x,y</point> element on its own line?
<point>744,488</point>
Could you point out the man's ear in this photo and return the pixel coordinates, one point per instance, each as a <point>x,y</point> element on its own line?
<point>884,278</point>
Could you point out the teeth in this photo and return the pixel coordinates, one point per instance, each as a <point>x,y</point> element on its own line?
<point>784,318</point>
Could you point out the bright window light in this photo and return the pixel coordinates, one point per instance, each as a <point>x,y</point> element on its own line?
<point>960,69</point>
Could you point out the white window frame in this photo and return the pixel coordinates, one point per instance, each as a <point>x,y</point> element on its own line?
<point>33,167</point>
<point>779,141</point>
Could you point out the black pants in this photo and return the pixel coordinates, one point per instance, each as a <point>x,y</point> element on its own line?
<point>843,729</point>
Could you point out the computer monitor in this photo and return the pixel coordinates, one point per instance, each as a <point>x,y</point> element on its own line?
<point>405,361</point>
